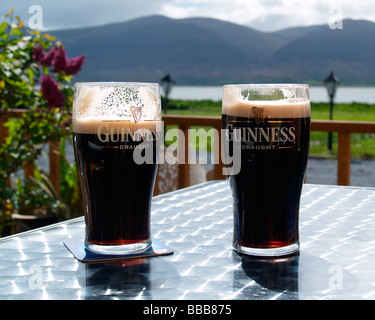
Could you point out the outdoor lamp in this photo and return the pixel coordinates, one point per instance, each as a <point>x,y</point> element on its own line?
<point>331,83</point>
<point>167,84</point>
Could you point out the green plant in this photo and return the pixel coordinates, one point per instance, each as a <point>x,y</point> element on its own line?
<point>70,194</point>
<point>35,76</point>
<point>36,194</point>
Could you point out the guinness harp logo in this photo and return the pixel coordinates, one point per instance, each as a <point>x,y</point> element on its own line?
<point>136,112</point>
<point>259,114</point>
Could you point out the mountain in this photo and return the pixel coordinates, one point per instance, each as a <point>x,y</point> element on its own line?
<point>290,34</point>
<point>210,51</point>
<point>349,51</point>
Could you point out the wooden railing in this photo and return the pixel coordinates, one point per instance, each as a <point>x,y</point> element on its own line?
<point>343,128</point>
<point>184,123</point>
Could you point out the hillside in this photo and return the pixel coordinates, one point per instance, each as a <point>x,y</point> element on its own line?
<point>349,52</point>
<point>209,51</point>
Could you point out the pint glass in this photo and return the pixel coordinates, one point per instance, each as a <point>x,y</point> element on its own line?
<point>116,130</point>
<point>268,128</point>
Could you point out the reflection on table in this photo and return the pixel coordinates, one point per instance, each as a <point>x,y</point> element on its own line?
<point>336,259</point>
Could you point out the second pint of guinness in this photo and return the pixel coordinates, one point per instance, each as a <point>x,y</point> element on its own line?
<point>271,126</point>
<point>116,130</point>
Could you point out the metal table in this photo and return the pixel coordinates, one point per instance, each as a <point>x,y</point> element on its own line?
<point>336,260</point>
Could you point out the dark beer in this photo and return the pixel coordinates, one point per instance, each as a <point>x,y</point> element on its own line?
<point>119,209</point>
<point>267,190</point>
<point>116,132</point>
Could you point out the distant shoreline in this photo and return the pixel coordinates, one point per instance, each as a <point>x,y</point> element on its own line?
<point>345,94</point>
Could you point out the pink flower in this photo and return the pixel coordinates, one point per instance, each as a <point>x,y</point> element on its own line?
<point>51,92</point>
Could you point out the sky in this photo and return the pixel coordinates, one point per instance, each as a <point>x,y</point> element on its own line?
<point>265,15</point>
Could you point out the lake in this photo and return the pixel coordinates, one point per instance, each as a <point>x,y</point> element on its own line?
<point>317,94</point>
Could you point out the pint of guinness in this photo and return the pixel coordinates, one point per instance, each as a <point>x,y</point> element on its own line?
<point>116,130</point>
<point>270,124</point>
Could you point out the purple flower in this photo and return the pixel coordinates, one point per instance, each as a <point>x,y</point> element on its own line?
<point>59,60</point>
<point>42,58</point>
<point>74,65</point>
<point>51,92</point>
<point>48,58</point>
<point>38,54</point>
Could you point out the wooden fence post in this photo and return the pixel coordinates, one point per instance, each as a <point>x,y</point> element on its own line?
<point>3,129</point>
<point>218,166</point>
<point>343,159</point>
<point>4,133</point>
<point>184,167</point>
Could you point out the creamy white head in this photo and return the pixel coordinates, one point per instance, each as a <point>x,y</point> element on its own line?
<point>283,102</point>
<point>134,105</point>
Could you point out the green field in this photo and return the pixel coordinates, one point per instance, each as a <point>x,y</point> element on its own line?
<point>363,145</point>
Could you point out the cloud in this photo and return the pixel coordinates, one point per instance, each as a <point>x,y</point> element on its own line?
<point>260,14</point>
<point>269,15</point>
<point>264,15</point>
<point>70,14</point>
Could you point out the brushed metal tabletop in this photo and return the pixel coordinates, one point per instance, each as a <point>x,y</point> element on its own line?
<point>336,260</point>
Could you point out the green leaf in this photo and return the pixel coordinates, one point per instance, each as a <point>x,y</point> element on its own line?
<point>4,36</point>
<point>30,74</point>
<point>3,27</point>
<point>16,32</point>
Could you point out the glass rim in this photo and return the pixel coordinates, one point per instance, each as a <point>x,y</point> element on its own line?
<point>267,85</point>
<point>115,84</point>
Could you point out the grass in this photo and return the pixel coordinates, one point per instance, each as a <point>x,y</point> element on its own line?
<point>363,145</point>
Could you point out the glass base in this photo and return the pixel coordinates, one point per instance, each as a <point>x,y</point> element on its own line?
<point>120,249</point>
<point>267,252</point>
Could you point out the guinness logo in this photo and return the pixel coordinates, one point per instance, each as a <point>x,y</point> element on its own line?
<point>259,114</point>
<point>136,112</point>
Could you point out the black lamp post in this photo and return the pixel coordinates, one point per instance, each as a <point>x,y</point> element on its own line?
<point>167,84</point>
<point>331,83</point>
